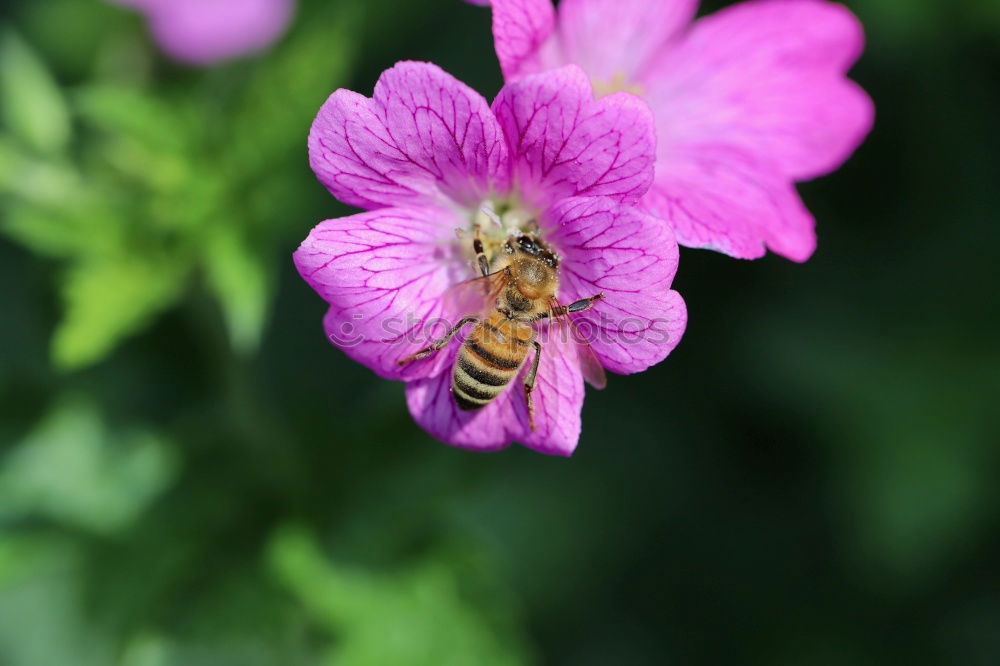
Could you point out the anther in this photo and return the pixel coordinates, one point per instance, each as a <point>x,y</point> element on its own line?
<point>488,211</point>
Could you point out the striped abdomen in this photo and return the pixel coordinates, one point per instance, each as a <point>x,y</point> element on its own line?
<point>489,359</point>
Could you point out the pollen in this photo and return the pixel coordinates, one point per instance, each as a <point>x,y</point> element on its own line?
<point>618,83</point>
<point>500,219</point>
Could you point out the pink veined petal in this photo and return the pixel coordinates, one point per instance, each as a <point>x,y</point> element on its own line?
<point>617,38</point>
<point>631,258</point>
<point>207,31</point>
<point>424,138</point>
<point>564,143</point>
<point>524,37</point>
<point>767,77</point>
<point>558,397</point>
<point>724,199</point>
<point>384,274</point>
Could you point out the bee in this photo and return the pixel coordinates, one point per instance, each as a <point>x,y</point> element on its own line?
<point>516,290</point>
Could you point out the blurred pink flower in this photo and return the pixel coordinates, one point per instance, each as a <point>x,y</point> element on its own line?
<point>203,32</point>
<point>747,101</point>
<point>426,155</point>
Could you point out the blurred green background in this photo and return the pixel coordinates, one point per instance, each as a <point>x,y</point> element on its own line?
<point>190,475</point>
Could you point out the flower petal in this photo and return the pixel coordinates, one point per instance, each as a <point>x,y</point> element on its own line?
<point>384,274</point>
<point>768,77</point>
<point>564,143</point>
<point>424,138</point>
<point>523,36</point>
<point>558,397</point>
<point>724,199</point>
<point>617,38</point>
<point>631,258</point>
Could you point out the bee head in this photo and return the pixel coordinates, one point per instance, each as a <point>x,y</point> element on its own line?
<point>536,248</point>
<point>527,244</point>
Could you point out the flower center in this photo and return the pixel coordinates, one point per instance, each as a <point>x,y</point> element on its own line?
<point>618,83</point>
<point>503,218</point>
<point>496,220</point>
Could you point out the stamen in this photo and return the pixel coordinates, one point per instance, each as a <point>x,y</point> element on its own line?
<point>500,219</point>
<point>487,210</point>
<point>618,83</point>
<point>520,219</point>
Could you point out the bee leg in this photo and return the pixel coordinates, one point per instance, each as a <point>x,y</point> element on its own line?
<point>529,383</point>
<point>584,304</point>
<point>437,344</point>
<point>477,247</point>
<point>576,306</point>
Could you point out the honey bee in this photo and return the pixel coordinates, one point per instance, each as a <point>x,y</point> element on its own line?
<point>517,289</point>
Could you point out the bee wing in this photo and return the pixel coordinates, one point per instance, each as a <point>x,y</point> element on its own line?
<point>591,367</point>
<point>476,295</point>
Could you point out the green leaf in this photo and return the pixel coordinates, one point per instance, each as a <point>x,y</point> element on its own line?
<point>48,183</point>
<point>74,469</point>
<point>12,159</point>
<point>135,113</point>
<point>149,143</point>
<point>109,298</point>
<point>20,555</point>
<point>62,231</point>
<point>30,101</point>
<point>75,35</point>
<point>41,231</point>
<point>44,615</point>
<point>288,87</point>
<point>239,278</point>
<point>146,649</point>
<point>416,617</point>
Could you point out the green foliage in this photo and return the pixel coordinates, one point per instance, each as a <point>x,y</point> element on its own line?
<point>807,480</point>
<point>75,470</point>
<point>107,298</point>
<point>272,113</point>
<point>416,617</point>
<point>57,232</point>
<point>162,188</point>
<point>42,617</point>
<point>151,124</point>
<point>239,278</point>
<point>31,103</point>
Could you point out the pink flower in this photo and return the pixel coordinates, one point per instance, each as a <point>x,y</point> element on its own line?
<point>203,32</point>
<point>747,101</point>
<point>426,156</point>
